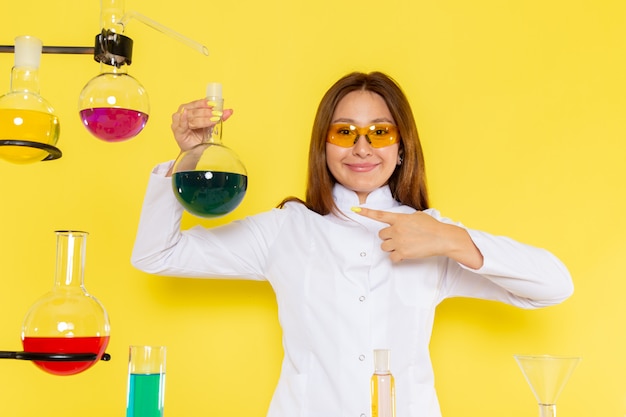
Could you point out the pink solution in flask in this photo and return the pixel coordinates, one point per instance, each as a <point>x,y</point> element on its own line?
<point>113,124</point>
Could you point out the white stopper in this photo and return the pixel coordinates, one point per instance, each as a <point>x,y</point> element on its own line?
<point>381,360</point>
<point>28,51</point>
<point>214,90</point>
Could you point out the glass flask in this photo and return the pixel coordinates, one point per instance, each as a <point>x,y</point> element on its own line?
<point>67,319</point>
<point>382,386</point>
<point>113,106</point>
<point>210,180</point>
<point>29,128</point>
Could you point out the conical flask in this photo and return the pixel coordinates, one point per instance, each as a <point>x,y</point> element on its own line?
<point>29,128</point>
<point>547,376</point>
<point>67,319</point>
<point>210,180</point>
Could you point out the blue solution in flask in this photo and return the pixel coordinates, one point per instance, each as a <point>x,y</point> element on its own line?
<point>210,180</point>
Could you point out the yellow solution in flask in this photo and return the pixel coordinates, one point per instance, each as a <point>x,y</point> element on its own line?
<point>383,386</point>
<point>27,125</point>
<point>29,129</point>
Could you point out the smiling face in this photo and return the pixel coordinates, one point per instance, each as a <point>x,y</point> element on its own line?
<point>362,168</point>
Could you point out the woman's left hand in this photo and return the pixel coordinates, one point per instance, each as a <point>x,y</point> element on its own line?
<point>419,235</point>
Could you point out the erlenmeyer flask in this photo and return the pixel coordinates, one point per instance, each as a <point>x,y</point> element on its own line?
<point>29,128</point>
<point>210,180</point>
<point>547,376</point>
<point>67,319</point>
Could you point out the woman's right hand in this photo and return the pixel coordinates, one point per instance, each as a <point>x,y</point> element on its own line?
<point>190,122</point>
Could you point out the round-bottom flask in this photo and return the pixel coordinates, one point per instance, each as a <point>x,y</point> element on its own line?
<point>213,186</point>
<point>210,180</point>
<point>67,319</point>
<point>113,106</point>
<point>29,128</point>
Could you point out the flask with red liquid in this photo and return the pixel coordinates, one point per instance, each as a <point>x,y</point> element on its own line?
<point>67,320</point>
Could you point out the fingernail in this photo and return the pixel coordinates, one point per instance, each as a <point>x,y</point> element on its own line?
<point>211,103</point>
<point>356,209</point>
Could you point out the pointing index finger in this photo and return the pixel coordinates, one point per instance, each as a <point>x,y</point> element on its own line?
<point>378,215</point>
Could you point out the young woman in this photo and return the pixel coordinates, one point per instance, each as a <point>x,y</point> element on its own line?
<point>361,264</point>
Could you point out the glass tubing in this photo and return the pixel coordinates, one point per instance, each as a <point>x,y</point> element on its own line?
<point>123,21</point>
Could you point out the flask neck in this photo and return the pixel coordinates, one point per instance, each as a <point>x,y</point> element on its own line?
<point>70,263</point>
<point>213,134</point>
<point>111,14</point>
<point>25,79</point>
<point>381,361</point>
<point>112,69</point>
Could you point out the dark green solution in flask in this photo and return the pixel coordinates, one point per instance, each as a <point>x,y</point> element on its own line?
<point>210,193</point>
<point>209,180</point>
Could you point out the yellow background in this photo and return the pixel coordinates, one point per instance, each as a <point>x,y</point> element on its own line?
<point>521,107</point>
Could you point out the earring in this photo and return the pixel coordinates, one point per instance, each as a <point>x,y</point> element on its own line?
<point>399,160</point>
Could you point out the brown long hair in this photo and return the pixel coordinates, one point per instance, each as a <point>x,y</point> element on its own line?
<point>408,181</point>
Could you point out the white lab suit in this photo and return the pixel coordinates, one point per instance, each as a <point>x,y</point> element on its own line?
<point>339,296</point>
